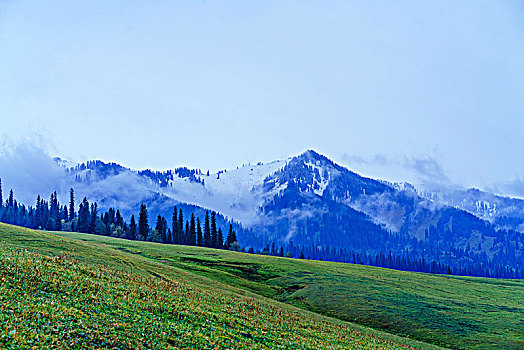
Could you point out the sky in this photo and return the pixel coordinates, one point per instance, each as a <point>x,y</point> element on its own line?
<point>414,91</point>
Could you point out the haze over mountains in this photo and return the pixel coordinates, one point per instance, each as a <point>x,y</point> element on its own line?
<point>242,193</point>
<point>306,200</point>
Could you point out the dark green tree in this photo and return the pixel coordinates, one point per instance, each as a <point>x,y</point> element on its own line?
<point>220,239</point>
<point>187,233</point>
<point>143,223</point>
<point>132,228</point>
<point>174,226</point>
<point>161,228</point>
<point>94,217</point>
<point>71,204</point>
<point>181,227</point>
<point>83,216</point>
<point>231,237</point>
<point>213,229</point>
<point>192,231</point>
<point>200,239</point>
<point>207,231</point>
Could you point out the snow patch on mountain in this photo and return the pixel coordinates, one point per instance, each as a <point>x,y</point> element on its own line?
<point>235,193</point>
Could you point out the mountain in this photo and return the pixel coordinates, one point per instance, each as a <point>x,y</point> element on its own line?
<point>504,212</point>
<point>309,203</point>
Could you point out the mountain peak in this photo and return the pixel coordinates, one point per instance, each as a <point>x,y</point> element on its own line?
<point>312,155</point>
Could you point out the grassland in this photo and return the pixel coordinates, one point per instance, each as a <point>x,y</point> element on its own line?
<point>454,312</point>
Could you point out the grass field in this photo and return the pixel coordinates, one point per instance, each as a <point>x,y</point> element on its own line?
<point>213,286</point>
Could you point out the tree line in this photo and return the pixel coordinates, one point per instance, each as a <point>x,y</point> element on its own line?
<point>401,253</point>
<point>52,216</point>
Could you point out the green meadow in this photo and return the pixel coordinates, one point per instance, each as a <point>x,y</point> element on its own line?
<point>70,290</point>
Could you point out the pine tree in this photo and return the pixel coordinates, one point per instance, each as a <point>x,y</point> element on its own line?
<point>192,231</point>
<point>83,216</point>
<point>94,217</point>
<point>132,228</point>
<point>220,239</point>
<point>174,226</point>
<point>143,225</point>
<point>71,204</point>
<point>186,233</point>
<point>160,228</point>
<point>38,214</point>
<point>207,231</point>
<point>119,220</point>
<point>182,235</point>
<point>231,237</point>
<point>169,235</point>
<point>11,201</point>
<point>213,230</point>
<point>1,199</point>
<point>200,239</point>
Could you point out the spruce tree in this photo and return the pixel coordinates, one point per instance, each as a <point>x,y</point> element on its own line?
<point>231,237</point>
<point>220,239</point>
<point>38,214</point>
<point>83,216</point>
<point>119,220</point>
<point>182,235</point>
<point>94,217</point>
<point>207,231</point>
<point>160,228</point>
<point>186,233</point>
<point>143,225</point>
<point>132,228</point>
<point>1,199</point>
<point>174,226</point>
<point>169,235</point>
<point>71,204</point>
<point>200,239</point>
<point>213,230</point>
<point>192,230</point>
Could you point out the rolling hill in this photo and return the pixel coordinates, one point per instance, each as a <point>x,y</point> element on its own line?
<point>69,288</point>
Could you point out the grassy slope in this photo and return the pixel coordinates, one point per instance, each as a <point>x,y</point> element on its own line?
<point>451,311</point>
<point>99,297</point>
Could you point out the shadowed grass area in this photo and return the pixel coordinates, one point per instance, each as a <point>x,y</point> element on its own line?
<point>456,312</point>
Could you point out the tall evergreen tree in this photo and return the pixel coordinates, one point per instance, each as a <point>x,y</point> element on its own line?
<point>38,214</point>
<point>160,228</point>
<point>213,229</point>
<point>143,224</point>
<point>1,199</point>
<point>231,237</point>
<point>192,231</point>
<point>186,233</point>
<point>83,216</point>
<point>94,217</point>
<point>207,231</point>
<point>71,204</point>
<point>200,239</point>
<point>119,220</point>
<point>181,231</point>
<point>11,201</point>
<point>220,239</point>
<point>174,226</point>
<point>132,228</point>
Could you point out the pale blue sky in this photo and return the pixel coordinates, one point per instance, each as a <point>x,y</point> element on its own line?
<point>383,87</point>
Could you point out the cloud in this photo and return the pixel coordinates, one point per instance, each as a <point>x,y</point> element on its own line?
<point>514,188</point>
<point>426,169</point>
<point>28,169</point>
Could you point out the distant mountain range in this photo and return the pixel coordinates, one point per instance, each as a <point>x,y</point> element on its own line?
<point>311,202</point>
<point>243,194</point>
